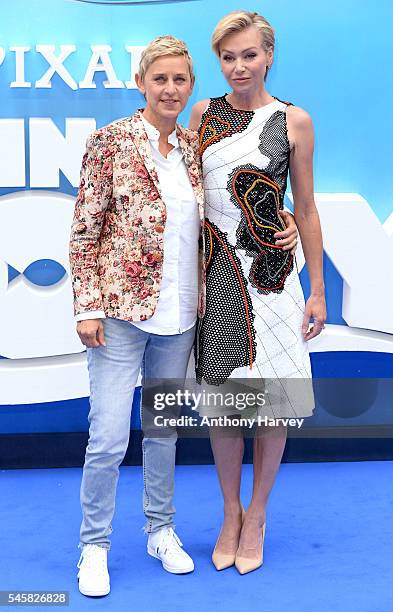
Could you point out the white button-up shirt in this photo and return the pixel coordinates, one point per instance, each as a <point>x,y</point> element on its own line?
<point>177,304</point>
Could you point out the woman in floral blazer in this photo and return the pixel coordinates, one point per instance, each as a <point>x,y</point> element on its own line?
<point>140,188</point>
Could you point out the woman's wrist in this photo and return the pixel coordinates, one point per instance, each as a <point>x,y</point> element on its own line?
<point>318,291</point>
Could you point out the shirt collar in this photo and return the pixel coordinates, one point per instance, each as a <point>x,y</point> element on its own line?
<point>153,134</point>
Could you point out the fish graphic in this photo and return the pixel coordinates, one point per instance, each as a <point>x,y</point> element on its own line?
<point>43,272</point>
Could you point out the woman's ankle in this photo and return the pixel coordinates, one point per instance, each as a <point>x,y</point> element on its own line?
<point>257,514</point>
<point>233,509</point>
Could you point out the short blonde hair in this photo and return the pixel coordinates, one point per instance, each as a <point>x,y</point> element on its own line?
<point>164,45</point>
<point>239,20</point>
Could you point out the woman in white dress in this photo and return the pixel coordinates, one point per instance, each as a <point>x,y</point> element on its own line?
<point>256,323</point>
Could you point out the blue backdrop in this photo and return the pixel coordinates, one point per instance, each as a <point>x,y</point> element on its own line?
<point>332,58</point>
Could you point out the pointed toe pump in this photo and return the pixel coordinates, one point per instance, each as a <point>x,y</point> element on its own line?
<point>220,560</point>
<point>244,565</point>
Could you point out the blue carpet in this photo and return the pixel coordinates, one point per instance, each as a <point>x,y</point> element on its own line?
<point>328,543</point>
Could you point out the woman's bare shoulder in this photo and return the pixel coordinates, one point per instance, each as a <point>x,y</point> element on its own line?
<point>298,117</point>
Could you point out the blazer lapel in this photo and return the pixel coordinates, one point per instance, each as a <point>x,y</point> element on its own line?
<point>187,149</point>
<point>192,161</point>
<point>142,144</point>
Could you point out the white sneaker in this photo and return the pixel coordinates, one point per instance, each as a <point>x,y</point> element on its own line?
<point>93,571</point>
<point>166,546</point>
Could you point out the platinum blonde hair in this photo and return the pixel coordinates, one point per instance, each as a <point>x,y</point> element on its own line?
<point>164,45</point>
<point>240,20</point>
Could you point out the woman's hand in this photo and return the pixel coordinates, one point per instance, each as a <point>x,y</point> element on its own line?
<point>287,238</point>
<point>91,332</point>
<point>316,311</point>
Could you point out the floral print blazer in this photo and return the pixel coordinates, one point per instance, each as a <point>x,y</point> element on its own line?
<point>116,245</point>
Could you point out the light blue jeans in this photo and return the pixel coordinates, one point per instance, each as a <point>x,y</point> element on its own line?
<point>113,373</point>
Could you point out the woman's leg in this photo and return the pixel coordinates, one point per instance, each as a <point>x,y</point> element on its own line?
<point>113,373</point>
<point>228,448</point>
<point>269,444</point>
<point>166,359</point>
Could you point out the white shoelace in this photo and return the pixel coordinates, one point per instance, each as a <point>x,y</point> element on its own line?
<point>170,542</point>
<point>93,557</point>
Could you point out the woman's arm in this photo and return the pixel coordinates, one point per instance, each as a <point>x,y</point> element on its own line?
<point>196,114</point>
<point>95,191</point>
<point>301,138</point>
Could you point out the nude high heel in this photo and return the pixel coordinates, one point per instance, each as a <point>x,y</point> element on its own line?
<point>246,564</point>
<point>223,560</point>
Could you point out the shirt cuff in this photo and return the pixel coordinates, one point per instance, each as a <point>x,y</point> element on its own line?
<point>92,314</point>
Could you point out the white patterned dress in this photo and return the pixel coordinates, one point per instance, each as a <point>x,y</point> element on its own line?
<point>254,300</point>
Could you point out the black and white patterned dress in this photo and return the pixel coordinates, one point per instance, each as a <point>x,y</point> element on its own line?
<point>254,300</point>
